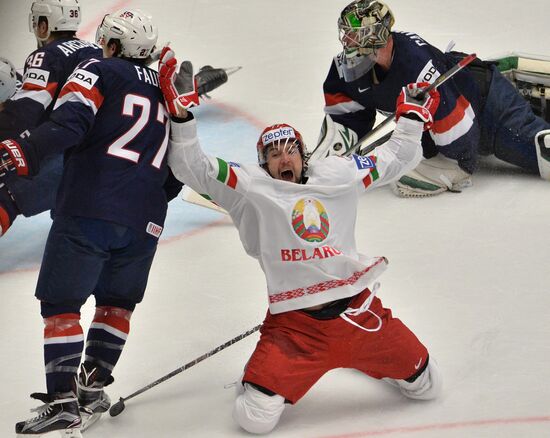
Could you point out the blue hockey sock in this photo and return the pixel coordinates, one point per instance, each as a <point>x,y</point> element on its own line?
<point>63,344</point>
<point>106,338</point>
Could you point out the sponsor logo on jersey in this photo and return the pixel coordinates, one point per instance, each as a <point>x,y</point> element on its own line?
<point>232,164</point>
<point>83,78</point>
<point>428,74</point>
<point>277,134</point>
<point>310,220</point>
<point>36,76</point>
<point>299,255</point>
<point>154,229</point>
<point>363,162</point>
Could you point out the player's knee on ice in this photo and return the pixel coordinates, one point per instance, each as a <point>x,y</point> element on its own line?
<point>426,386</point>
<point>257,412</point>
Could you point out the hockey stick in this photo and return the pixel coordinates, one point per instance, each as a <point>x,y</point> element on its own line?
<point>440,80</point>
<point>119,406</point>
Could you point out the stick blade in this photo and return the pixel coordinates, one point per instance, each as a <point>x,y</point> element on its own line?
<point>117,408</point>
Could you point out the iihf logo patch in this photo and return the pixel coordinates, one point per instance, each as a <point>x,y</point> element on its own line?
<point>363,162</point>
<point>310,220</point>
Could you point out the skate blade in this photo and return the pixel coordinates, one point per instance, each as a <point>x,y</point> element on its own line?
<point>230,70</point>
<point>89,420</point>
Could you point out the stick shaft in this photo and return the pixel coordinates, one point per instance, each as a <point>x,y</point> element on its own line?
<point>440,80</point>
<point>193,362</point>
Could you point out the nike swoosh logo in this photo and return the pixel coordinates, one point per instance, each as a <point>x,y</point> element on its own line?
<point>362,90</point>
<point>418,364</point>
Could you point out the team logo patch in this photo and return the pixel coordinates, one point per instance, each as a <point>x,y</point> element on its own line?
<point>83,78</point>
<point>363,162</point>
<point>310,220</point>
<point>37,76</point>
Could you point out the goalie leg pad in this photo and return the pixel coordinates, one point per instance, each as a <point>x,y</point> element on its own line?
<point>542,145</point>
<point>432,177</point>
<point>257,412</point>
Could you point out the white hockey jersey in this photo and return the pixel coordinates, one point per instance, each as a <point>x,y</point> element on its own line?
<point>303,235</point>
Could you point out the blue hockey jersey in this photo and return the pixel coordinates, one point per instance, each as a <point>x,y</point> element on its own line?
<point>456,130</point>
<point>45,73</point>
<point>111,115</point>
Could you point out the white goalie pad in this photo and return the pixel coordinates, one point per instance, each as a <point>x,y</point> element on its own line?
<point>530,75</point>
<point>432,177</point>
<point>334,139</point>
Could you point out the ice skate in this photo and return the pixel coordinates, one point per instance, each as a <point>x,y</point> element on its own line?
<point>58,416</point>
<point>92,399</point>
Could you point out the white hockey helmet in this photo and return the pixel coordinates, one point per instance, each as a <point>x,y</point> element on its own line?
<point>62,15</point>
<point>134,30</point>
<point>8,79</point>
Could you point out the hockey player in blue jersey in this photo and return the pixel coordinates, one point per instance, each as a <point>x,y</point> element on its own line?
<point>481,113</point>
<point>110,116</point>
<point>54,23</point>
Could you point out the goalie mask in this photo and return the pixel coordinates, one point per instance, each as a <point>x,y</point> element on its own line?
<point>281,138</point>
<point>134,31</point>
<point>364,27</point>
<point>62,15</point>
<point>8,80</point>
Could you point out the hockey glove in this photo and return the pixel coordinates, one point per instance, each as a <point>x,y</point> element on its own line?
<point>178,89</point>
<point>209,78</point>
<point>12,159</point>
<point>413,101</point>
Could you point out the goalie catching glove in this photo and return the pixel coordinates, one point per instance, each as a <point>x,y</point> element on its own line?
<point>12,159</point>
<point>414,100</point>
<point>179,89</point>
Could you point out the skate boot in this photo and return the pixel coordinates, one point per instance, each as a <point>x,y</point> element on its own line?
<point>59,414</point>
<point>93,401</point>
<point>542,144</point>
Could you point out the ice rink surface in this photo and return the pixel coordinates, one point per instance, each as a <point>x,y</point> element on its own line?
<point>468,272</point>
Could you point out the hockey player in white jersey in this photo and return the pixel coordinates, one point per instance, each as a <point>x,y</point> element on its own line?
<point>298,220</point>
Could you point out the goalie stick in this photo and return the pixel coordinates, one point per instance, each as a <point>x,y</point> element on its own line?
<point>194,198</point>
<point>119,406</point>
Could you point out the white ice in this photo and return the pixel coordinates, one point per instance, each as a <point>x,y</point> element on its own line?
<point>468,272</point>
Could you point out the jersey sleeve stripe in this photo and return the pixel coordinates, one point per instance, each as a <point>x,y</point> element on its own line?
<point>41,95</point>
<point>334,99</point>
<point>455,125</point>
<point>75,93</point>
<point>226,174</point>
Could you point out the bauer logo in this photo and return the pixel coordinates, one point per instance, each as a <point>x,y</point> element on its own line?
<point>83,78</point>
<point>363,162</point>
<point>277,134</point>
<point>310,220</point>
<point>36,76</point>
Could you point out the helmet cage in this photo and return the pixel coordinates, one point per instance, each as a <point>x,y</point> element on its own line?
<point>133,29</point>
<point>280,137</point>
<point>364,27</point>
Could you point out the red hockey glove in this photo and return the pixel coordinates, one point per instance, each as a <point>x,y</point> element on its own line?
<point>12,159</point>
<point>178,89</point>
<point>411,101</point>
